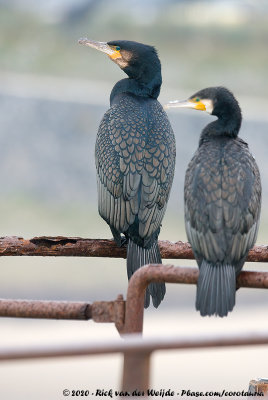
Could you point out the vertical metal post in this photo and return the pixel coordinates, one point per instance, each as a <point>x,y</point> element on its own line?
<point>258,388</point>
<point>136,372</point>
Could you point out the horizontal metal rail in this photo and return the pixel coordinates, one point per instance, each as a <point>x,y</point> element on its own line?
<point>170,274</point>
<point>133,344</point>
<point>137,352</point>
<point>99,311</point>
<point>127,316</point>
<point>45,309</point>
<point>59,246</point>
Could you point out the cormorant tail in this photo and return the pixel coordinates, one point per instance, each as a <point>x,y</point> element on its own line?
<point>216,288</point>
<point>138,256</point>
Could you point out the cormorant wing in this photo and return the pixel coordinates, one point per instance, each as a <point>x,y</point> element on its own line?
<point>135,156</point>
<point>222,203</point>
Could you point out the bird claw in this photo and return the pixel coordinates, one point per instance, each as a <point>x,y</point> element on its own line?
<point>120,240</point>
<point>124,241</point>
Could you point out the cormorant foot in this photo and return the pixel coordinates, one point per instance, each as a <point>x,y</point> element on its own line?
<point>124,241</point>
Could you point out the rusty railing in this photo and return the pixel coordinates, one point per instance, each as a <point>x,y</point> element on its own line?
<point>126,315</point>
<point>137,352</point>
<point>60,246</point>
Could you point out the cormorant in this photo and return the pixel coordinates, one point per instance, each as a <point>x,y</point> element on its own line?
<point>222,198</point>
<point>135,157</point>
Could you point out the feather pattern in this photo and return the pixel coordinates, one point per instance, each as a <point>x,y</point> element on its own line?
<point>135,161</point>
<point>216,289</point>
<point>138,256</point>
<point>222,195</point>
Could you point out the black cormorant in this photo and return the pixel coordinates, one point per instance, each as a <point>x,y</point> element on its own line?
<point>222,197</point>
<point>135,156</point>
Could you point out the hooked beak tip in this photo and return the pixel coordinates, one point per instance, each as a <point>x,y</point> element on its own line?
<point>101,46</point>
<point>82,40</point>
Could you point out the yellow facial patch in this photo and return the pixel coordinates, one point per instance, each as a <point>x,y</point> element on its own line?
<point>115,52</point>
<point>195,102</point>
<point>200,106</point>
<point>115,55</point>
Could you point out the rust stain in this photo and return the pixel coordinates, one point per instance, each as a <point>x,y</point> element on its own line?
<point>60,246</point>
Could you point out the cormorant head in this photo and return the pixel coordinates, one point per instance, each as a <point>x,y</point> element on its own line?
<point>139,61</point>
<point>217,101</point>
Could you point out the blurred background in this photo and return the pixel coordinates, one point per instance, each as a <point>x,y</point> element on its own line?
<point>53,94</point>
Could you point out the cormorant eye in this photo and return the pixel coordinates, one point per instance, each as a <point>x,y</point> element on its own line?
<point>117,48</point>
<point>197,99</point>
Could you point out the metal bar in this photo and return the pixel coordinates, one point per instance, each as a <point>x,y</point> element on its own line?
<point>45,309</point>
<point>136,371</point>
<point>168,273</point>
<point>59,246</point>
<point>259,386</point>
<point>99,311</point>
<point>110,311</point>
<point>133,344</point>
<point>127,316</point>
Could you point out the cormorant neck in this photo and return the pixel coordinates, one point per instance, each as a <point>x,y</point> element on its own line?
<point>227,125</point>
<point>138,87</point>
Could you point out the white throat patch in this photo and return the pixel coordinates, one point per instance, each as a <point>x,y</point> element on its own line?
<point>208,104</point>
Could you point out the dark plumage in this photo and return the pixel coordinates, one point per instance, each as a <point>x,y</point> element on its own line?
<point>135,157</point>
<point>222,195</point>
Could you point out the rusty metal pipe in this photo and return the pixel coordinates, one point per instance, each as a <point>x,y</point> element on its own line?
<point>127,316</point>
<point>136,371</point>
<point>59,246</point>
<point>99,311</point>
<point>45,309</point>
<point>170,274</point>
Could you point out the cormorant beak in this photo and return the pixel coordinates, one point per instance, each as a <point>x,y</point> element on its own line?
<point>187,104</point>
<point>101,46</point>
